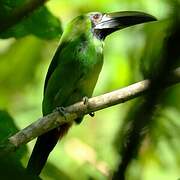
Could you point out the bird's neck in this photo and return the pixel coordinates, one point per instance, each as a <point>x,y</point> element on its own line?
<point>98,44</point>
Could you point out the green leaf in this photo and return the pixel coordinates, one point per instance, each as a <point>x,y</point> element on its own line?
<point>40,22</point>
<point>8,128</point>
<point>10,164</point>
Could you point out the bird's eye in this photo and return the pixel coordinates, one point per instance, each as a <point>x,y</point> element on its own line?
<point>96,16</point>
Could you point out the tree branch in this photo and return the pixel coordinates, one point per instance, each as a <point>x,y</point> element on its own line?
<point>19,13</point>
<point>55,119</point>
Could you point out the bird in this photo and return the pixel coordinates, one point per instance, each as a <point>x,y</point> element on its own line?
<point>74,70</point>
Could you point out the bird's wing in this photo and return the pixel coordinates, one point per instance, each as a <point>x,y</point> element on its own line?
<point>54,63</point>
<point>62,85</point>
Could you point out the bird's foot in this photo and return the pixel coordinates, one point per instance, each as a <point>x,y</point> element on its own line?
<point>61,110</point>
<point>85,101</point>
<point>92,114</point>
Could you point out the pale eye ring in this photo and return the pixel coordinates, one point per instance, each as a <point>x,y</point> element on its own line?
<point>96,16</point>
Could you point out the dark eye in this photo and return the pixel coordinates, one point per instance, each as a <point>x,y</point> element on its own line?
<point>96,16</point>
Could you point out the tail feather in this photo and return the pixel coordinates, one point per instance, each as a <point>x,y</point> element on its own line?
<point>44,145</point>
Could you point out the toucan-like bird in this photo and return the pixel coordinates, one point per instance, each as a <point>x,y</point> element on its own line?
<point>75,68</point>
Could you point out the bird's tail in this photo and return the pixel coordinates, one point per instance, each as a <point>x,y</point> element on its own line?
<point>44,145</point>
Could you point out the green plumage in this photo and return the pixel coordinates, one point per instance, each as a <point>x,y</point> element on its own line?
<point>75,67</point>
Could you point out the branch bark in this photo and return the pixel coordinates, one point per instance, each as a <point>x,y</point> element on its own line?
<point>19,13</point>
<point>55,119</point>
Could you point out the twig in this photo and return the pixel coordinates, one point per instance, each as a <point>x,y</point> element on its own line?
<point>19,13</point>
<point>54,119</point>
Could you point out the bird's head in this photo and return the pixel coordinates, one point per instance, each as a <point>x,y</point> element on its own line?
<point>103,24</point>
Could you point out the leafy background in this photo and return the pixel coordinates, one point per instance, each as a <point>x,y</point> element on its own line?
<point>90,150</point>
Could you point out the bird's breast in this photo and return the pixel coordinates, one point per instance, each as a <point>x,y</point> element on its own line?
<point>91,61</point>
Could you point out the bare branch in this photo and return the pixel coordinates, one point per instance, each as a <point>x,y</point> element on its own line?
<point>55,119</point>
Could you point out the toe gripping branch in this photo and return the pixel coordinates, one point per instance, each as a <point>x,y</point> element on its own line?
<point>86,102</point>
<point>61,110</point>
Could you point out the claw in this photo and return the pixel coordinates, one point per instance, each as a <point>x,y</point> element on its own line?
<point>85,100</point>
<point>92,114</point>
<point>61,111</point>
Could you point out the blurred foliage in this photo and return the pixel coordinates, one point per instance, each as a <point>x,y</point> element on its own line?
<point>10,165</point>
<point>40,23</point>
<point>89,151</point>
<point>8,128</point>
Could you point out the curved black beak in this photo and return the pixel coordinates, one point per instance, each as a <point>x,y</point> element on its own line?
<point>118,20</point>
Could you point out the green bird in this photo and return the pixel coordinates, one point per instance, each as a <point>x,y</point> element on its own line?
<point>74,70</point>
